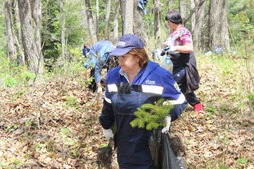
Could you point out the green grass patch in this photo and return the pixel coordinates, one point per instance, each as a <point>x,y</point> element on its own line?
<point>72,102</point>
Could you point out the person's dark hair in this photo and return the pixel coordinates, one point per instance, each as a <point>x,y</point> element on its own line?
<point>174,17</point>
<point>86,46</point>
<point>141,54</point>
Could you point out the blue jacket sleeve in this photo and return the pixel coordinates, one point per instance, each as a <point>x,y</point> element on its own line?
<point>107,117</point>
<point>97,71</point>
<point>171,90</point>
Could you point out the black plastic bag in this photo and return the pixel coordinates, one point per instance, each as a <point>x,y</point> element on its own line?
<point>192,75</point>
<point>105,154</point>
<point>162,154</point>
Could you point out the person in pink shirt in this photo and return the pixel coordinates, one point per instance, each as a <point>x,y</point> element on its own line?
<point>179,46</point>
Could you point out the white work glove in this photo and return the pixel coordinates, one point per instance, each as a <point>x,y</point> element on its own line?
<point>170,50</point>
<point>168,122</point>
<point>99,90</point>
<point>108,133</point>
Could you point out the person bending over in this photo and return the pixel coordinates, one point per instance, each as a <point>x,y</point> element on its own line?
<point>98,57</point>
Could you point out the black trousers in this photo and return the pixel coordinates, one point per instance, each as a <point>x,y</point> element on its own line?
<point>179,75</point>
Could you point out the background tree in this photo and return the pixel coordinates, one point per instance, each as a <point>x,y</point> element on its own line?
<point>36,15</point>
<point>62,28</point>
<point>90,21</point>
<point>127,12</point>
<point>18,35</point>
<point>116,16</point>
<point>74,32</point>
<point>11,49</point>
<point>97,17</point>
<point>218,25</point>
<point>139,27</point>
<point>107,19</point>
<point>33,57</point>
<point>197,10</point>
<point>157,22</point>
<point>182,7</point>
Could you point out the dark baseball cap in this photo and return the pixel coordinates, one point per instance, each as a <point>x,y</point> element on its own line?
<point>126,43</point>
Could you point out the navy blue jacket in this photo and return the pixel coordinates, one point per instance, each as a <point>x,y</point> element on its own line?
<point>121,101</point>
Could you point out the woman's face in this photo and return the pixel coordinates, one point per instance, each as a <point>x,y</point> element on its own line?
<point>170,24</point>
<point>128,62</point>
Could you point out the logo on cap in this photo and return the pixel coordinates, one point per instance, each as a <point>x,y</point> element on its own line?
<point>121,44</point>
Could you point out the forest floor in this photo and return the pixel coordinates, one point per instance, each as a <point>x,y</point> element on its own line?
<point>55,125</point>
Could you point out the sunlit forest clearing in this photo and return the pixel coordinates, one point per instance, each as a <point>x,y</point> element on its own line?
<point>55,124</point>
<point>49,116</point>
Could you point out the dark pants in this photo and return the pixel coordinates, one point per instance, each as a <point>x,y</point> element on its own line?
<point>179,75</point>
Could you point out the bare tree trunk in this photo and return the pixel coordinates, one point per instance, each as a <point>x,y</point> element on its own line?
<point>85,23</point>
<point>219,36</point>
<point>108,7</point>
<point>62,29</point>
<point>122,9</point>
<point>97,17</point>
<point>168,4</point>
<point>18,35</point>
<point>34,61</point>
<point>128,16</point>
<point>115,33</point>
<point>182,5</point>
<point>197,22</point>
<point>157,23</point>
<point>90,21</point>
<point>138,24</point>
<point>11,49</point>
<point>36,15</point>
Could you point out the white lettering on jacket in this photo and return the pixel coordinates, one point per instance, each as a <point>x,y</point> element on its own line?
<point>149,82</point>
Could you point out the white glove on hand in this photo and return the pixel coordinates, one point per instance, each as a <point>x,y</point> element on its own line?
<point>171,50</point>
<point>108,133</point>
<point>168,122</point>
<point>99,90</point>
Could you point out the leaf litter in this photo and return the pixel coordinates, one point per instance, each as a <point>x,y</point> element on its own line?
<point>55,125</point>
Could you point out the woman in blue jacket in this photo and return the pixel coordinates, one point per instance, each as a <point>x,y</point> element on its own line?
<point>136,81</point>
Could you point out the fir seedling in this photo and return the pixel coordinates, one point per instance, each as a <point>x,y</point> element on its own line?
<point>151,116</point>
